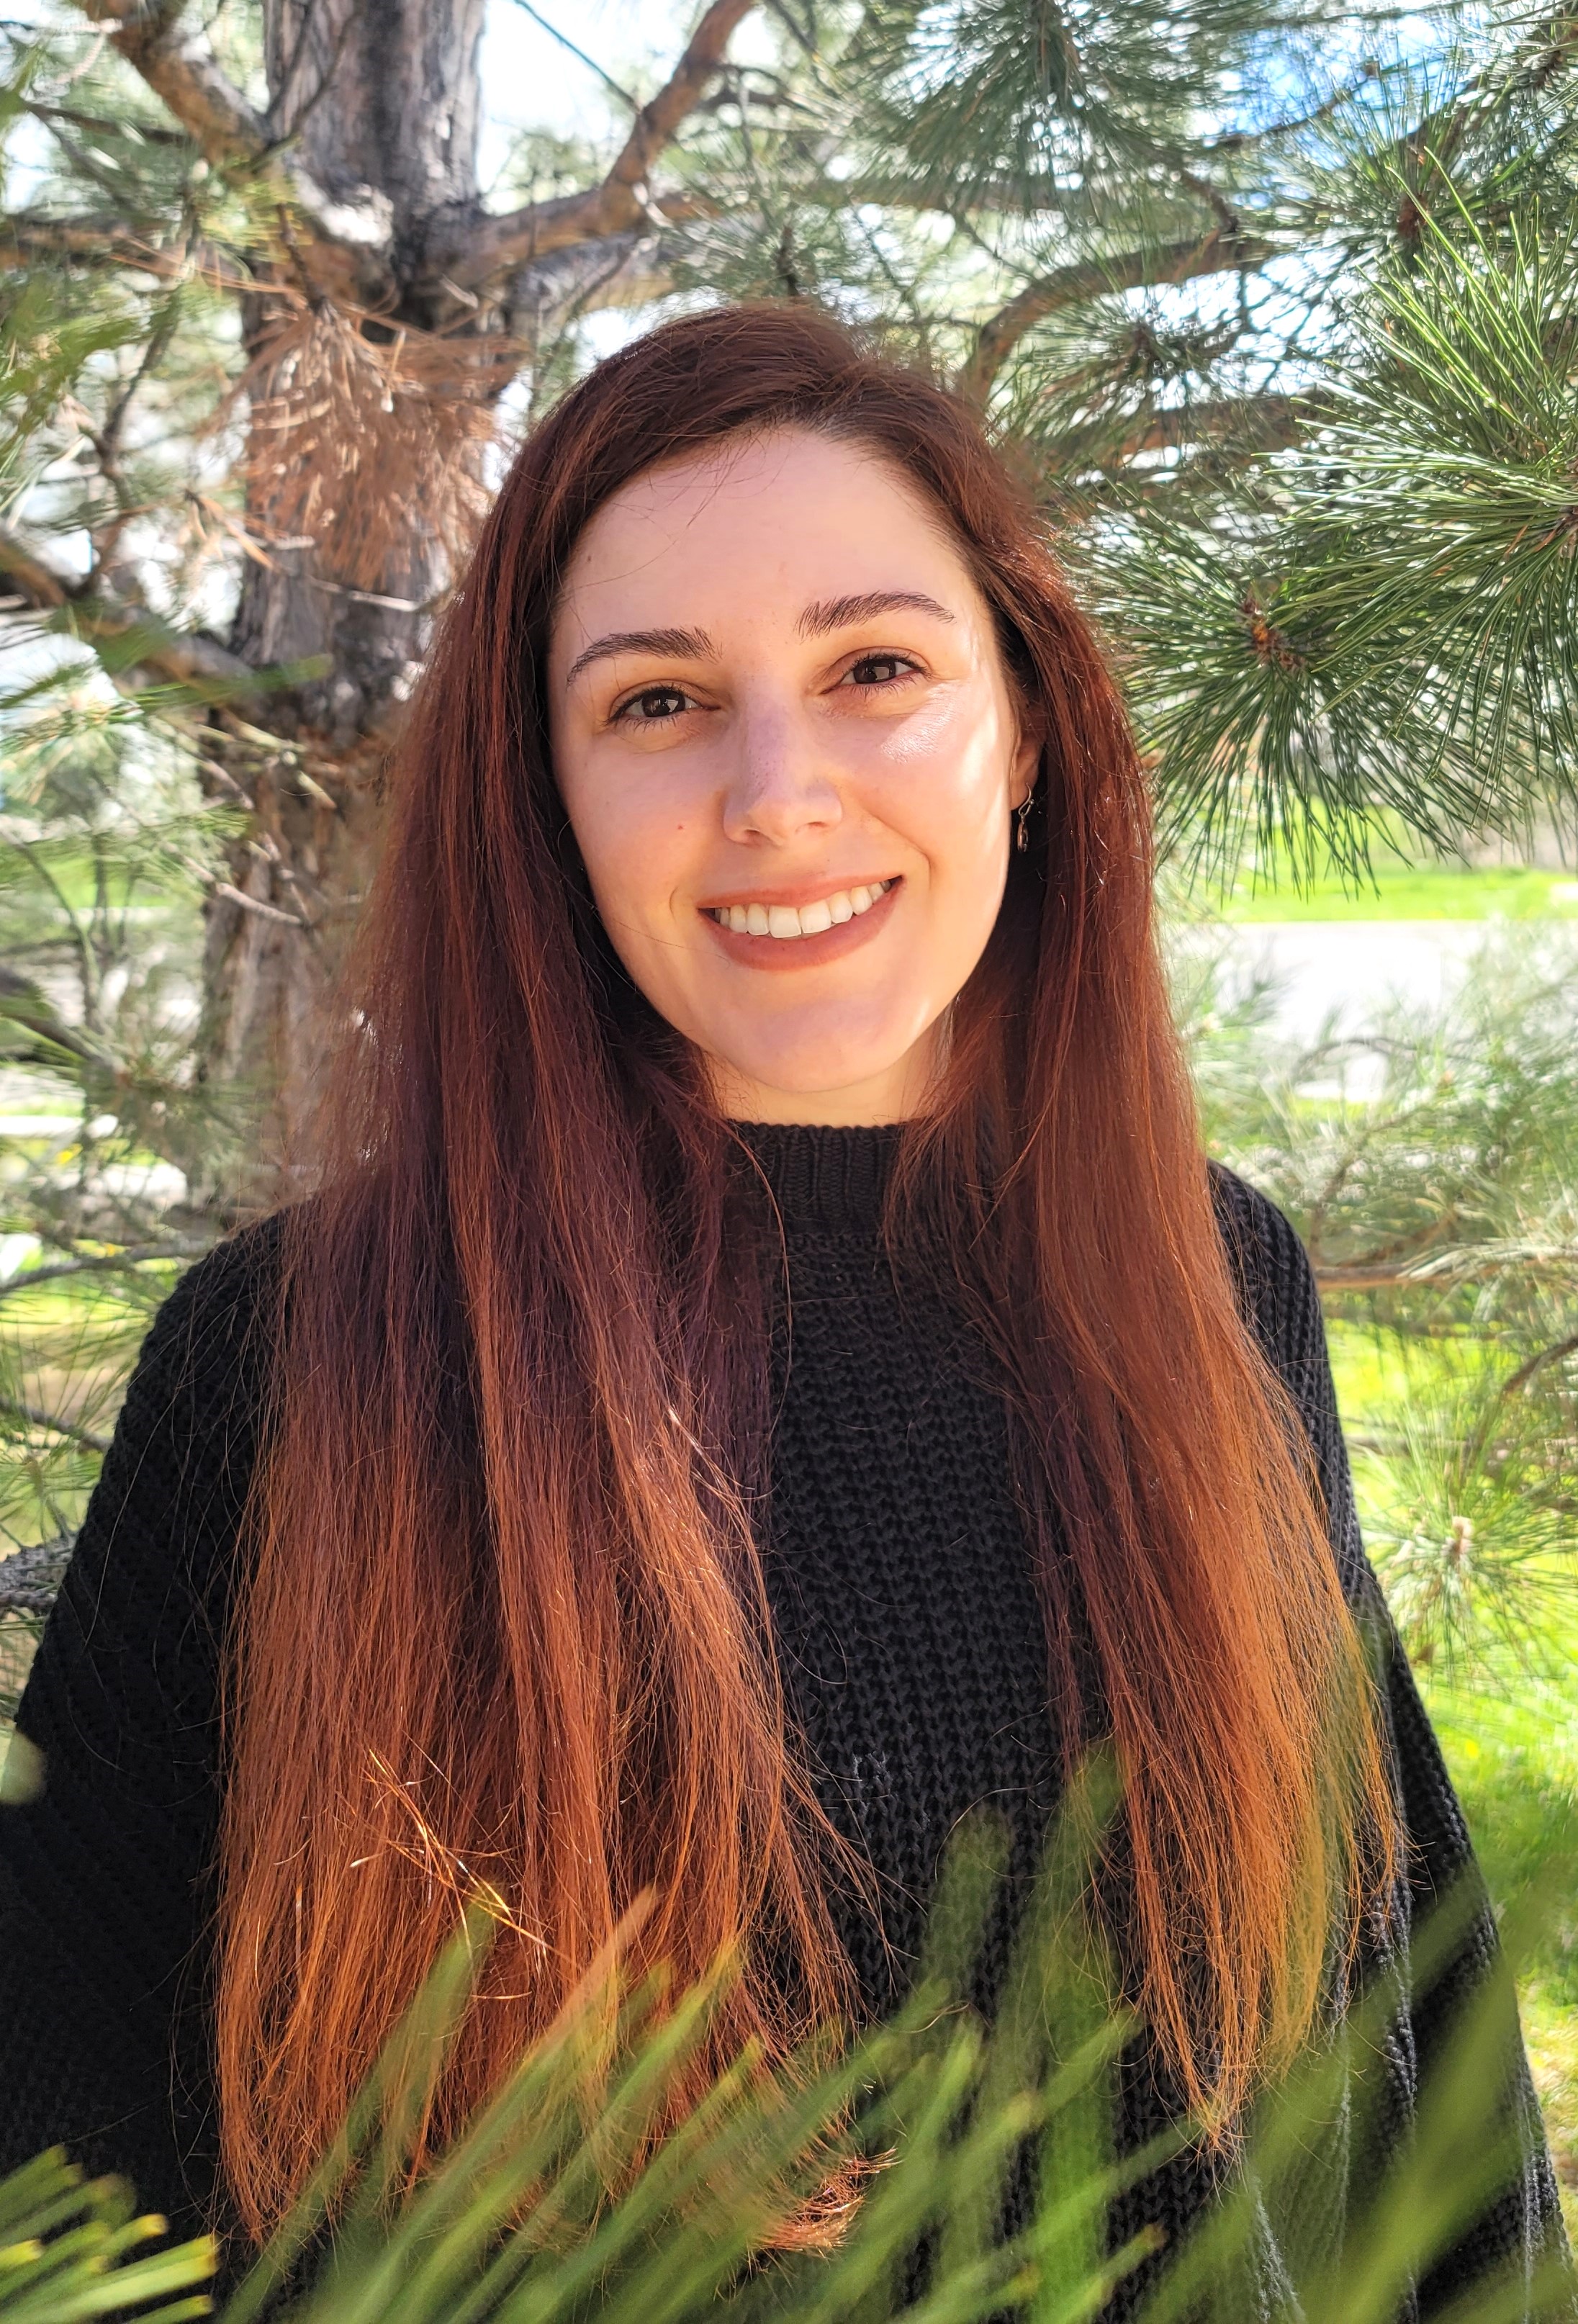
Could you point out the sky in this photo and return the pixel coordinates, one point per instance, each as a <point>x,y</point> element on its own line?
<point>531,81</point>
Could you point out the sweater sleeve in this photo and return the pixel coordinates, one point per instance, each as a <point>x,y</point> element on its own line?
<point>1523,2224</point>
<point>107,1846</point>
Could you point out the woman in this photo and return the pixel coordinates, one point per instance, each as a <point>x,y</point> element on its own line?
<point>766,1369</point>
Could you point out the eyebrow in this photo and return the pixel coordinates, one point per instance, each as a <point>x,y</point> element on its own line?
<point>691,644</point>
<point>843,613</point>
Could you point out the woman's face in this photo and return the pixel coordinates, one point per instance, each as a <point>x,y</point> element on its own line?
<point>787,749</point>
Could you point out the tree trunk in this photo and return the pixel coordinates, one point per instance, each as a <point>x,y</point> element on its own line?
<point>382,105</point>
<point>382,312</point>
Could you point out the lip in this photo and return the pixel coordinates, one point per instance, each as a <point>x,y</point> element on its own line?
<point>800,892</point>
<point>799,952</point>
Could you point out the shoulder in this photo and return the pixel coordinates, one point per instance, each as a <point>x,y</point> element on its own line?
<point>227,1293</point>
<point>1281,1301</point>
<point>1271,1272</point>
<point>182,1454</point>
<point>126,1676</point>
<point>1263,1243</point>
<point>212,1335</point>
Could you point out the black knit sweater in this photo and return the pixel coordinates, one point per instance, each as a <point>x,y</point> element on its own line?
<point>908,1629</point>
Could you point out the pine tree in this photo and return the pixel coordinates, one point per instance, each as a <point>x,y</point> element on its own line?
<point>1275,311</point>
<point>1271,301</point>
<point>1439,1211</point>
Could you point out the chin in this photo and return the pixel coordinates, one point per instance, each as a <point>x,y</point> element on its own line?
<point>814,1081</point>
<point>813,1061</point>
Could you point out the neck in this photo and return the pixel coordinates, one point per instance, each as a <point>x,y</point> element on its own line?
<point>895,1094</point>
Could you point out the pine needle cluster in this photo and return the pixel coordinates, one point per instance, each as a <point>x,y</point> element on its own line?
<point>1430,1160</point>
<point>554,2204</point>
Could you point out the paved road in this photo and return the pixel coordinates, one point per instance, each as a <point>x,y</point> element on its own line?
<point>1353,966</point>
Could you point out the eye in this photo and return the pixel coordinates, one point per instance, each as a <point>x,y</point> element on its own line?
<point>654,705</point>
<point>874,670</point>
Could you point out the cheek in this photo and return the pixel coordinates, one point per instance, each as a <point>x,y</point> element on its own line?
<point>943,782</point>
<point>635,838</point>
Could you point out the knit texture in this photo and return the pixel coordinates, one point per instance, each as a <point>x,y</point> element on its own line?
<point>907,1625</point>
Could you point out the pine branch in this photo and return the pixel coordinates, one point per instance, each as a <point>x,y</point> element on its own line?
<point>1433,138</point>
<point>104,1262</point>
<point>624,201</point>
<point>98,125</point>
<point>25,1007</point>
<point>1251,423</point>
<point>1556,1352</point>
<point>565,222</point>
<point>350,239</point>
<point>1018,196</point>
<point>621,270</point>
<point>27,239</point>
<point>1331,1281</point>
<point>1218,253</point>
<point>33,1415</point>
<point>656,122</point>
<point>183,72</point>
<point>31,1578</point>
<point>616,89</point>
<point>102,621</point>
<point>1242,141</point>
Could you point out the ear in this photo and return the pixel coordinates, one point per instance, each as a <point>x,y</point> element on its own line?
<point>1026,767</point>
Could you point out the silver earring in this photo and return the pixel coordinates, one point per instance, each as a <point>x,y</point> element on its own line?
<point>1022,837</point>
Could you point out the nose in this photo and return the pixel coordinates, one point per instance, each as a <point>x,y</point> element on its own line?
<point>780,787</point>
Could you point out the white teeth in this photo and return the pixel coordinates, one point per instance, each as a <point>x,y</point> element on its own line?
<point>785,920</point>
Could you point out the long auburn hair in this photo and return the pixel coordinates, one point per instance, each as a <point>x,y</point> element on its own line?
<point>503,1625</point>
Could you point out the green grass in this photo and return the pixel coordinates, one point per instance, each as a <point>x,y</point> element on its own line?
<point>1426,891</point>
<point>1373,1367</point>
<point>1512,1747</point>
<point>1516,1767</point>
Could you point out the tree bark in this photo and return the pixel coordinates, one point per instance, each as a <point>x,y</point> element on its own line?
<point>383,97</point>
<point>384,309</point>
<point>381,106</point>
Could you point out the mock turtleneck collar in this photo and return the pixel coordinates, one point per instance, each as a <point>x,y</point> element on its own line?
<point>824,1180</point>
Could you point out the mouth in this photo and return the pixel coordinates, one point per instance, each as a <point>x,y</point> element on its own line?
<point>792,923</point>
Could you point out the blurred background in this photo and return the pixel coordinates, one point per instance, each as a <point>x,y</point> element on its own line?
<point>1271,302</point>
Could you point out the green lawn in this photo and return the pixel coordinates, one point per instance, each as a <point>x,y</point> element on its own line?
<point>1399,890</point>
<point>1512,1746</point>
<point>1516,1765</point>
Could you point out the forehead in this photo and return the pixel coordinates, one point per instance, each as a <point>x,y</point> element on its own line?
<point>761,527</point>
